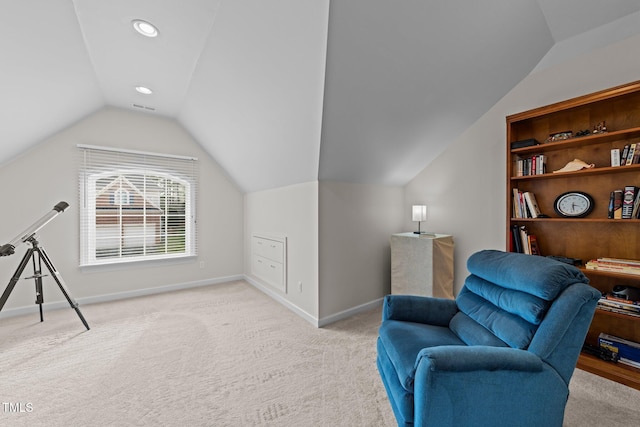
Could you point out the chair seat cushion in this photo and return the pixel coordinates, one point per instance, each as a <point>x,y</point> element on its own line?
<point>403,341</point>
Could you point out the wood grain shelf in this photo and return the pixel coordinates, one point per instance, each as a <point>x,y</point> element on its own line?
<point>617,372</point>
<point>581,173</point>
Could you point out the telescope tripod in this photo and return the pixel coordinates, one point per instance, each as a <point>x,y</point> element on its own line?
<point>38,256</point>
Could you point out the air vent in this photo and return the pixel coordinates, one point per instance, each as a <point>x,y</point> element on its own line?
<point>144,107</point>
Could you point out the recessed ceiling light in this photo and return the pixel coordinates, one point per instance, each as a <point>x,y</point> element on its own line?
<point>144,90</point>
<point>145,28</point>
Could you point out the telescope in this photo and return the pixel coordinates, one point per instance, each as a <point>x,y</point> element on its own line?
<point>9,248</point>
<point>38,256</point>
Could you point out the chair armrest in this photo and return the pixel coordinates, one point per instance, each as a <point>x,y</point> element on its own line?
<point>486,386</point>
<point>479,358</point>
<point>411,308</point>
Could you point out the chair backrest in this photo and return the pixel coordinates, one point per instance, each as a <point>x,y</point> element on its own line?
<point>526,302</point>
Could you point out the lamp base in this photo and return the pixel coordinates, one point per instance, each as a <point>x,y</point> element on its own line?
<point>424,233</point>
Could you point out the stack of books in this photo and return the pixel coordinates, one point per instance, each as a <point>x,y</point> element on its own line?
<point>525,204</point>
<point>534,165</point>
<point>630,155</point>
<point>628,351</point>
<point>523,242</point>
<point>611,303</point>
<point>615,265</point>
<point>625,203</point>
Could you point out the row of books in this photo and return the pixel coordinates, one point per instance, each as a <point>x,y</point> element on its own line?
<point>624,203</point>
<point>628,352</point>
<point>629,155</point>
<point>525,204</point>
<point>534,165</point>
<point>617,305</point>
<point>616,265</point>
<point>523,242</point>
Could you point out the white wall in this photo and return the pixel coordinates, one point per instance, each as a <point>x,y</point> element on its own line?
<point>41,177</point>
<point>465,188</point>
<point>290,211</point>
<point>356,221</point>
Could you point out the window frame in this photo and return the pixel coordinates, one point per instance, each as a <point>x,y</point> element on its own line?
<point>135,163</point>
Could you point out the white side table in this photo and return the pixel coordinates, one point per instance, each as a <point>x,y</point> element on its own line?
<point>422,264</point>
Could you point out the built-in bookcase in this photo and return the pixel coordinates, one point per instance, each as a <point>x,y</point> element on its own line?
<point>594,235</point>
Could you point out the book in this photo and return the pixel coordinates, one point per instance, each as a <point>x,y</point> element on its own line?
<point>615,157</point>
<point>517,209</point>
<point>612,266</point>
<point>626,349</point>
<point>636,207</point>
<point>515,239</point>
<point>533,245</point>
<point>635,262</point>
<point>614,298</point>
<point>532,203</point>
<point>542,164</point>
<point>619,305</point>
<point>524,143</point>
<point>611,204</point>
<point>524,239</point>
<point>623,156</point>
<point>632,151</point>
<point>617,204</point>
<point>534,166</point>
<point>617,310</point>
<point>628,199</point>
<point>629,362</point>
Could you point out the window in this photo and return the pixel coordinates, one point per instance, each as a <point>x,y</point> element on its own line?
<point>136,206</point>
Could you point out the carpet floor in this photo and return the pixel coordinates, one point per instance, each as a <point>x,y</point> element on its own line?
<point>224,355</point>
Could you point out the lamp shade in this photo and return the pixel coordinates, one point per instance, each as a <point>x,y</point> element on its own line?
<point>419,213</point>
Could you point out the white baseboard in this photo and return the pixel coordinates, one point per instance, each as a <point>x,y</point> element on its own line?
<point>300,312</point>
<point>318,323</point>
<point>350,312</point>
<point>18,311</point>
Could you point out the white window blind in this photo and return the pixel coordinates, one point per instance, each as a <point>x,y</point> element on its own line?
<point>135,205</point>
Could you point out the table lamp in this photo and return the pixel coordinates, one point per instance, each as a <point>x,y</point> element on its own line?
<point>419,214</point>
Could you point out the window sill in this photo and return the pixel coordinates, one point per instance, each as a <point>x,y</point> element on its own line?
<point>136,263</point>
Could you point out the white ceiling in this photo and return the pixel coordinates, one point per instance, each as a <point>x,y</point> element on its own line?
<point>287,91</point>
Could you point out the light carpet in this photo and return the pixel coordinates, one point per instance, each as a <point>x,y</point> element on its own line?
<point>224,355</point>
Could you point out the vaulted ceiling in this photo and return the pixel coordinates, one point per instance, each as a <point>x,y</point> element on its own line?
<point>281,92</point>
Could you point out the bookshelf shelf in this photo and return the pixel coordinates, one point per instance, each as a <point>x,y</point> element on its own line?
<point>581,220</point>
<point>634,169</point>
<point>580,141</point>
<point>615,314</point>
<point>595,235</point>
<point>622,374</point>
<point>611,274</point>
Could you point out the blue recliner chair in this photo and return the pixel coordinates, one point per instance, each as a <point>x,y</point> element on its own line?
<point>501,354</point>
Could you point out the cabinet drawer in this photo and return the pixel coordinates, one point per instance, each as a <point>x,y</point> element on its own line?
<point>270,271</point>
<point>268,248</point>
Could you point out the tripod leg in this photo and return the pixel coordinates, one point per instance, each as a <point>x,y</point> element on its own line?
<point>58,278</point>
<point>15,277</point>
<point>37,275</point>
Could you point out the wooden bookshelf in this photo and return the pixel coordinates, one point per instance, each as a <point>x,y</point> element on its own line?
<point>595,235</point>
